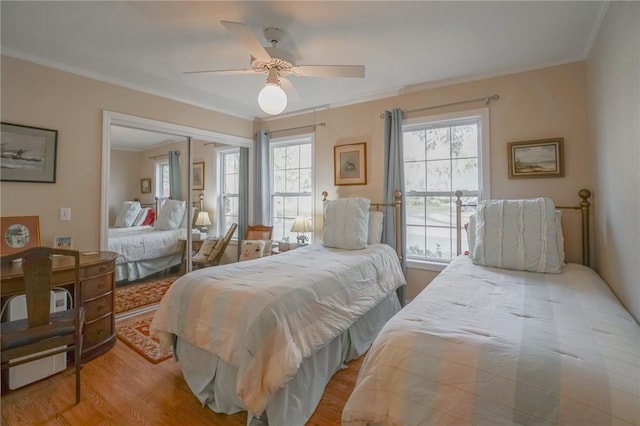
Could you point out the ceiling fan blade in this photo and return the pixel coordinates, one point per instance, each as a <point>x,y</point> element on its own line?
<point>244,35</point>
<point>353,71</point>
<point>289,89</point>
<point>223,72</point>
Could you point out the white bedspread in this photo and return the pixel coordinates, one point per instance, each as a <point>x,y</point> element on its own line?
<point>484,346</point>
<point>266,315</point>
<point>144,242</point>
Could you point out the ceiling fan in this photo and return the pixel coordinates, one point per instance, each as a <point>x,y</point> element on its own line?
<point>277,64</point>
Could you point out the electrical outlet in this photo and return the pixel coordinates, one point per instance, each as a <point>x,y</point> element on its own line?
<point>65,214</point>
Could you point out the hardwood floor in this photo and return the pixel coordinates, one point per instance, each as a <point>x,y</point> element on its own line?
<point>122,388</point>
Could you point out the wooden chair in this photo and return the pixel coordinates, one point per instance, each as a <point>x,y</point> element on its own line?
<point>255,233</point>
<point>218,250</point>
<point>258,232</point>
<point>41,330</point>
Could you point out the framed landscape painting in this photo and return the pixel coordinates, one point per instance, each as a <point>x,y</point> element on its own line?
<point>536,159</point>
<point>27,154</point>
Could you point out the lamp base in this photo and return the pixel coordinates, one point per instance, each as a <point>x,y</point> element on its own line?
<point>301,239</point>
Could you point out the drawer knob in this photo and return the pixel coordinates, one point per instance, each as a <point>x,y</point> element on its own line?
<point>100,307</point>
<point>100,331</point>
<point>103,268</point>
<point>100,286</point>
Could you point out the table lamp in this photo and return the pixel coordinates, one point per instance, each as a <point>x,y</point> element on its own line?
<point>203,221</point>
<point>302,225</point>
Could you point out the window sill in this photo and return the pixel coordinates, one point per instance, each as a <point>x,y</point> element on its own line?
<point>426,265</point>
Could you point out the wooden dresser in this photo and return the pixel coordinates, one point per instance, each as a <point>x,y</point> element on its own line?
<point>97,280</point>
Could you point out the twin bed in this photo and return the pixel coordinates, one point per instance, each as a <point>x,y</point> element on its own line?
<point>506,335</point>
<point>481,345</point>
<point>150,248</point>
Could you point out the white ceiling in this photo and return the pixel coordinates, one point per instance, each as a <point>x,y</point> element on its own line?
<point>404,45</point>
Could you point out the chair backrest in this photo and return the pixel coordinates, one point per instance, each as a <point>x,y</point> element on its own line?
<point>218,251</point>
<point>37,268</point>
<point>258,232</point>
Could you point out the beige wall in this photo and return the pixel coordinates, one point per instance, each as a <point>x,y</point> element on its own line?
<point>123,180</point>
<point>614,100</point>
<point>538,104</point>
<point>38,96</point>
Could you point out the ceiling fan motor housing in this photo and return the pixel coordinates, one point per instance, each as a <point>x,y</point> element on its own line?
<point>280,59</point>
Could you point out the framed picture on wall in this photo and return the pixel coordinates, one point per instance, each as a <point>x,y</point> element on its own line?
<point>350,164</point>
<point>536,159</point>
<point>28,154</point>
<point>19,233</point>
<point>198,176</point>
<point>145,185</point>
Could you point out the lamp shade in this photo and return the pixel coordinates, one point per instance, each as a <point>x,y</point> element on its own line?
<point>203,219</point>
<point>302,224</point>
<point>272,99</point>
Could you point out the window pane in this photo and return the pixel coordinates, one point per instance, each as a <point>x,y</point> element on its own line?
<point>290,207</point>
<point>231,162</point>
<point>231,184</point>
<point>414,148</point>
<point>439,243</point>
<point>464,141</point>
<point>438,146</point>
<point>416,237</point>
<point>306,184</point>
<point>279,181</point>
<point>439,211</point>
<point>465,174</point>
<point>279,158</point>
<point>305,156</point>
<point>293,156</point>
<point>292,183</point>
<point>439,175</point>
<point>415,177</point>
<point>415,207</point>
<point>305,204</point>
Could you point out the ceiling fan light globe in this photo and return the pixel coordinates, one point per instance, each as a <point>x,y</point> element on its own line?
<point>272,99</point>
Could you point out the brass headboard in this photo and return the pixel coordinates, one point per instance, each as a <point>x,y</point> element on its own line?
<point>397,201</point>
<point>583,206</point>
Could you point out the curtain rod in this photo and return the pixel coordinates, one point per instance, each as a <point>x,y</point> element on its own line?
<point>153,157</point>
<point>487,99</point>
<point>300,127</point>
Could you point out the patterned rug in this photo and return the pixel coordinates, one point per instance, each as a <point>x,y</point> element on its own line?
<point>134,332</point>
<point>137,296</point>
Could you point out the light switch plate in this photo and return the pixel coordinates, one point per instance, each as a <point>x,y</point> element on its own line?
<point>65,214</point>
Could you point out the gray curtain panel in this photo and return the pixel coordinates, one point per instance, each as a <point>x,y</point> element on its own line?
<point>243,195</point>
<point>175,177</point>
<point>262,179</point>
<point>394,181</point>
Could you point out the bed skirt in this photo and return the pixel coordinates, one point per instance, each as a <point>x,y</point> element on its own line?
<point>213,380</point>
<point>131,271</point>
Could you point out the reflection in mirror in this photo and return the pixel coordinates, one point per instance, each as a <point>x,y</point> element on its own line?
<point>148,214</point>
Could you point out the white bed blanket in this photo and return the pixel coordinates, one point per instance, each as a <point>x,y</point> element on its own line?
<point>144,242</point>
<point>266,315</point>
<point>484,346</point>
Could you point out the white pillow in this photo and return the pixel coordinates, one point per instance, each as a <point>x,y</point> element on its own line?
<point>251,249</point>
<point>471,234</point>
<point>127,214</point>
<point>205,250</point>
<point>171,215</point>
<point>375,227</point>
<point>517,234</point>
<point>142,215</point>
<point>346,223</point>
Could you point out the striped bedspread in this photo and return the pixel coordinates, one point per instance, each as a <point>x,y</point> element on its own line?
<point>266,315</point>
<point>484,346</point>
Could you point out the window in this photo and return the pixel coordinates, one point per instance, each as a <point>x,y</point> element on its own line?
<point>163,190</point>
<point>229,166</point>
<point>441,155</point>
<point>292,184</point>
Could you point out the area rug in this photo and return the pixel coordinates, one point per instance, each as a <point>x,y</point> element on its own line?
<point>136,296</point>
<point>134,332</point>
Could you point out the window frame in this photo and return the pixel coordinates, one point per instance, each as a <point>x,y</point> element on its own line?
<point>484,164</point>
<point>303,139</point>
<point>220,163</point>
<point>159,181</point>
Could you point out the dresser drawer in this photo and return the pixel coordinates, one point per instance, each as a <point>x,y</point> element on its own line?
<point>98,331</point>
<point>95,287</point>
<point>104,268</point>
<point>98,307</point>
